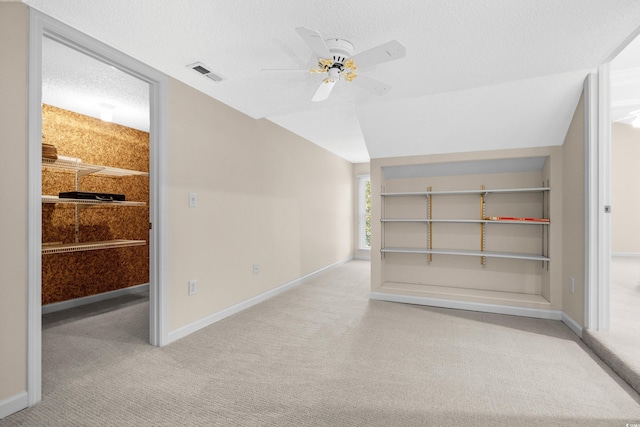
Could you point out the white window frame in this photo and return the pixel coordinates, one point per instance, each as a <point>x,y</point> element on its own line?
<point>362,228</point>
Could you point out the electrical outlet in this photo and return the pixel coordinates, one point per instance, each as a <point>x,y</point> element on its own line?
<point>572,284</point>
<point>256,269</point>
<point>193,287</point>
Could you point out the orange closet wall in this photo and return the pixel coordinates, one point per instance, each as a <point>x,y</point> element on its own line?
<point>78,274</point>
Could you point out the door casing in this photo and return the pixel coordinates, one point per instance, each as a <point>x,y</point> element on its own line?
<point>41,25</point>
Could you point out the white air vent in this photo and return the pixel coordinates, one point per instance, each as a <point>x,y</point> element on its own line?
<point>204,70</point>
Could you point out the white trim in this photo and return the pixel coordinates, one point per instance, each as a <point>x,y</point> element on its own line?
<point>222,314</point>
<point>34,212</point>
<point>13,404</point>
<point>598,251</point>
<point>604,167</point>
<point>467,305</point>
<point>598,244</point>
<point>626,254</point>
<point>78,302</point>
<point>159,216</point>
<point>572,324</point>
<point>590,93</point>
<point>41,25</point>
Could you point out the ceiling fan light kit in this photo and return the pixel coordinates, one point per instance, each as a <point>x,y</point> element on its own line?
<point>336,58</point>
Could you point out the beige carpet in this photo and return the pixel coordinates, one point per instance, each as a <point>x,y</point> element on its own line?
<point>322,354</point>
<point>620,345</point>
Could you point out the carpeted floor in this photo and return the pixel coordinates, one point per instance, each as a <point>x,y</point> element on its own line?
<point>620,345</point>
<point>322,354</point>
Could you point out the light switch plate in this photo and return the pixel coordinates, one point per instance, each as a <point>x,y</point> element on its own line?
<point>193,200</point>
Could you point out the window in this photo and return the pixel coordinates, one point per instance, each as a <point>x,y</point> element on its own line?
<point>364,210</point>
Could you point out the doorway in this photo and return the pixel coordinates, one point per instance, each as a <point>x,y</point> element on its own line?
<point>42,30</point>
<point>613,251</point>
<point>95,128</point>
<point>621,336</point>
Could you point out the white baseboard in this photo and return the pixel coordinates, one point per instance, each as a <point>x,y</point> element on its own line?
<point>13,404</point>
<point>77,302</point>
<point>222,314</point>
<point>626,254</point>
<point>362,258</point>
<point>572,324</point>
<point>471,306</point>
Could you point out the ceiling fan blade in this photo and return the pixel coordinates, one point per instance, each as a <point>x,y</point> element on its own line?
<point>372,85</point>
<point>626,117</point>
<point>315,42</point>
<point>383,53</point>
<point>323,90</point>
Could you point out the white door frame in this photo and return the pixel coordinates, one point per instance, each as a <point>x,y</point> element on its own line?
<point>41,25</point>
<point>597,117</point>
<point>598,200</point>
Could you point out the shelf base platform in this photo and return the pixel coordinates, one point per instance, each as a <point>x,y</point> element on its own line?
<point>511,303</point>
<point>90,246</point>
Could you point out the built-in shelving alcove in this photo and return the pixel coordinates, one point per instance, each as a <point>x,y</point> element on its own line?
<point>474,233</point>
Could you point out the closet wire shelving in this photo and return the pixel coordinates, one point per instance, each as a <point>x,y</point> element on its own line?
<point>80,169</point>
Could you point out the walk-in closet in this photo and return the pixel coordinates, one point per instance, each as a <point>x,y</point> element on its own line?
<point>95,181</point>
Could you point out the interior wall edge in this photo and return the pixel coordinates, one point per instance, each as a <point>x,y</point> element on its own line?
<point>14,137</point>
<point>572,324</point>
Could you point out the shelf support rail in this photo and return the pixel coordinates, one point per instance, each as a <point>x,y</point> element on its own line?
<point>382,225</point>
<point>482,225</point>
<point>430,224</point>
<point>77,208</point>
<point>545,230</point>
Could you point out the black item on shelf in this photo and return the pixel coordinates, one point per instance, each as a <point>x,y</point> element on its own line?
<point>101,197</point>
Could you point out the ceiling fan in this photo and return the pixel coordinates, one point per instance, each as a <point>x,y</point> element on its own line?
<point>635,115</point>
<point>336,59</point>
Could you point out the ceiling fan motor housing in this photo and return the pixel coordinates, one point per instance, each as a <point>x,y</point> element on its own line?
<point>340,49</point>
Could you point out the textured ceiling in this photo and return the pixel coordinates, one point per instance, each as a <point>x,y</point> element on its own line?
<point>477,75</point>
<point>76,82</point>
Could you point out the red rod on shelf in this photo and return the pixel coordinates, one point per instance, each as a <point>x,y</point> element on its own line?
<point>511,218</point>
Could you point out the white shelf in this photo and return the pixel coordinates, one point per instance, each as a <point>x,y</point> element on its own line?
<point>462,221</point>
<point>64,200</point>
<point>405,220</point>
<point>531,257</point>
<point>74,165</point>
<point>89,246</point>
<point>485,191</point>
<point>71,164</point>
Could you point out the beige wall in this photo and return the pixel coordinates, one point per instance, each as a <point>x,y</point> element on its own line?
<point>13,184</point>
<point>358,169</point>
<point>573,213</point>
<point>265,196</point>
<point>625,197</point>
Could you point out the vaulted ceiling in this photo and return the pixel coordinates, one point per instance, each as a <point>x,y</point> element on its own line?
<point>478,74</point>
